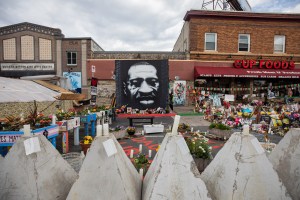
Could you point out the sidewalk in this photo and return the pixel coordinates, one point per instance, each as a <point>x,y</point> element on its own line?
<point>151,141</point>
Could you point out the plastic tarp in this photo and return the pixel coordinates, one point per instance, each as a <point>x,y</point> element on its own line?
<point>16,90</point>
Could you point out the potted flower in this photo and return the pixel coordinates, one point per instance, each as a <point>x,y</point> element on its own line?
<point>200,150</point>
<point>130,130</point>
<point>220,130</point>
<point>86,143</point>
<point>141,162</point>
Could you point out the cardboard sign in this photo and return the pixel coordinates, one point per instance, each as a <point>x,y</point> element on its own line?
<point>32,145</point>
<point>110,147</point>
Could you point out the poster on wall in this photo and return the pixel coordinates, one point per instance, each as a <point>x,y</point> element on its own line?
<point>179,93</point>
<point>94,83</point>
<point>142,84</point>
<point>74,79</point>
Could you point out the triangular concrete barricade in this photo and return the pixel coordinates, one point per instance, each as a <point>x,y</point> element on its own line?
<point>41,175</point>
<point>1,160</point>
<point>173,173</point>
<point>285,158</point>
<point>241,170</point>
<point>103,177</point>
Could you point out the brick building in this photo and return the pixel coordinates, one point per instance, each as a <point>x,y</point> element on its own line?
<point>246,51</point>
<point>217,51</point>
<point>28,49</point>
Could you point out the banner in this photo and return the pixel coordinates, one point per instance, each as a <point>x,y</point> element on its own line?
<point>74,79</point>
<point>142,84</point>
<point>94,83</point>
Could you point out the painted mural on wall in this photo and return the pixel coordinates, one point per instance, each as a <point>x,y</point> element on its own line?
<point>74,79</point>
<point>179,92</point>
<point>142,84</point>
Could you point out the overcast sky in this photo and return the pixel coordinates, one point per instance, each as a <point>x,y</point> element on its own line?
<point>119,25</point>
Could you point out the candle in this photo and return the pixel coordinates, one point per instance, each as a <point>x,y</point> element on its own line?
<point>99,130</point>
<point>150,153</point>
<point>53,119</point>
<point>27,131</point>
<point>141,148</point>
<point>175,125</point>
<point>141,172</point>
<point>105,130</point>
<point>143,132</point>
<point>246,129</point>
<point>192,129</point>
<point>131,153</point>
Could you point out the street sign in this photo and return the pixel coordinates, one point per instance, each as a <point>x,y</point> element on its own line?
<point>93,68</point>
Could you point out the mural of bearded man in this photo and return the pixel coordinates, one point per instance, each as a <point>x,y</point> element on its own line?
<point>141,84</point>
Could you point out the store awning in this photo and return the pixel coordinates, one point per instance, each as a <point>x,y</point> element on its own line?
<point>245,73</point>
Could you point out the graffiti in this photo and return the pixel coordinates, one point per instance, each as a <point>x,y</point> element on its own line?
<point>179,92</point>
<point>74,79</point>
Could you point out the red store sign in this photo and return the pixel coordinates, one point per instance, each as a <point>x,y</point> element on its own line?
<point>268,64</point>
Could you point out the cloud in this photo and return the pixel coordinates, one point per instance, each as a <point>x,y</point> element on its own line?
<point>113,24</point>
<point>255,3</point>
<point>117,25</point>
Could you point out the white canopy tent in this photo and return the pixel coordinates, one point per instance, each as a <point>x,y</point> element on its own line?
<point>16,90</point>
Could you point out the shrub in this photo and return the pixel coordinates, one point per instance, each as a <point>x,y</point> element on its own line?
<point>219,126</point>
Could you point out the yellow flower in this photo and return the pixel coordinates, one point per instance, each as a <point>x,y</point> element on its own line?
<point>87,139</point>
<point>157,148</point>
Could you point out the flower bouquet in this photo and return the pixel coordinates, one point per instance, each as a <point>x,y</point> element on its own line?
<point>118,131</point>
<point>200,151</point>
<point>183,127</point>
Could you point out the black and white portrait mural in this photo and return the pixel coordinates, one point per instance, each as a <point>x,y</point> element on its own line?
<point>142,84</point>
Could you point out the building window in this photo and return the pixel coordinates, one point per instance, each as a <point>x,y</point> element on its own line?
<point>9,49</point>
<point>72,58</point>
<point>244,42</point>
<point>45,49</point>
<point>210,41</point>
<point>27,48</point>
<point>279,44</point>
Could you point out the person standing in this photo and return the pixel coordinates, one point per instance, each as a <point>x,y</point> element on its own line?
<point>171,101</point>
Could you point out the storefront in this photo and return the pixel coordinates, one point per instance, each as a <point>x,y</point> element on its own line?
<point>256,78</point>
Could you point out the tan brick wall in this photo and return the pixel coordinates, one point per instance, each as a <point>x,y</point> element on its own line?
<point>16,108</point>
<point>36,37</point>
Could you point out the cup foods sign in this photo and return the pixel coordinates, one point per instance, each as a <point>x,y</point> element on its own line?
<point>268,64</point>
<point>27,66</point>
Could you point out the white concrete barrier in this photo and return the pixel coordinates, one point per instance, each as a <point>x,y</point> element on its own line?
<point>107,173</point>
<point>241,170</point>
<point>285,158</point>
<point>40,175</point>
<point>173,173</point>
